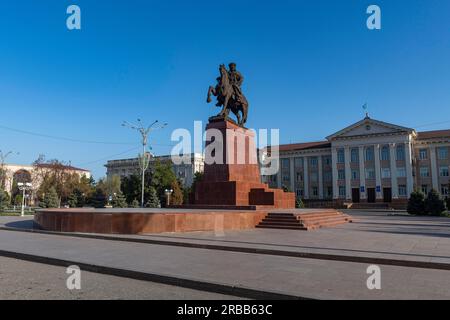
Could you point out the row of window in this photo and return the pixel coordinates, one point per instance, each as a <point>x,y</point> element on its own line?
<point>425,172</point>
<point>299,162</point>
<point>369,154</point>
<point>370,173</point>
<point>442,153</point>
<point>402,191</point>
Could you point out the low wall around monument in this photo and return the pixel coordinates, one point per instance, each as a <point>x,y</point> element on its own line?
<point>135,221</point>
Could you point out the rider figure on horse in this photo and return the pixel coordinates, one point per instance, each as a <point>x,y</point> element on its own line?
<point>236,80</point>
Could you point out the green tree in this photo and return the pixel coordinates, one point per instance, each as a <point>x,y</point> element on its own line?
<point>119,201</point>
<point>50,199</point>
<point>135,203</point>
<point>177,195</point>
<point>153,200</point>
<point>4,199</point>
<point>434,204</point>
<point>447,201</point>
<point>416,203</point>
<point>98,199</point>
<point>162,178</point>
<point>299,203</point>
<point>72,201</point>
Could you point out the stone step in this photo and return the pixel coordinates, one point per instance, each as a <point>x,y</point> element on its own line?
<point>293,220</point>
<point>309,215</point>
<point>277,223</point>
<point>324,221</point>
<point>299,227</point>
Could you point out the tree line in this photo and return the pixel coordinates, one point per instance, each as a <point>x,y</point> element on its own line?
<point>60,186</point>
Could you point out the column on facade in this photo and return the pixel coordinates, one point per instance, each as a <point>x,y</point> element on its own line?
<point>394,181</point>
<point>334,172</point>
<point>305,178</point>
<point>292,173</point>
<point>362,173</point>
<point>279,174</point>
<point>409,173</point>
<point>348,174</point>
<point>320,173</point>
<point>434,169</point>
<point>378,171</point>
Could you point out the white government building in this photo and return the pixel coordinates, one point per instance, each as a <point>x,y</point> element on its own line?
<point>368,162</point>
<point>185,172</point>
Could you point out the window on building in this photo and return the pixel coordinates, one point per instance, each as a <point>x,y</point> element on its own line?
<point>354,154</point>
<point>327,176</point>
<point>443,153</point>
<point>401,172</point>
<point>341,174</point>
<point>443,171</point>
<point>385,173</point>
<point>286,178</point>
<point>369,154</point>
<point>313,161</point>
<point>299,176</point>
<point>342,191</point>
<point>425,189</point>
<point>355,174</point>
<point>400,153</point>
<point>327,161</point>
<point>444,190</point>
<point>315,191</point>
<point>385,153</point>
<point>314,176</point>
<point>284,163</point>
<point>340,156</point>
<point>423,154</point>
<point>370,173</point>
<point>298,162</point>
<point>424,172</point>
<point>402,190</point>
<point>299,193</point>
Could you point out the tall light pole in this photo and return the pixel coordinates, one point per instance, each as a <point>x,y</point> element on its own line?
<point>144,131</point>
<point>24,187</point>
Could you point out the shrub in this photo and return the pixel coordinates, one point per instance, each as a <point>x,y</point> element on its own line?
<point>4,199</point>
<point>153,200</point>
<point>416,203</point>
<point>434,205</point>
<point>135,203</point>
<point>50,200</point>
<point>299,203</point>
<point>119,201</point>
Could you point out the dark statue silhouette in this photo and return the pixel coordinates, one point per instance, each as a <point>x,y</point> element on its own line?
<point>229,94</point>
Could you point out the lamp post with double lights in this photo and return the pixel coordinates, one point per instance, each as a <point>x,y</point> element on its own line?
<point>144,161</point>
<point>24,187</point>
<point>168,194</point>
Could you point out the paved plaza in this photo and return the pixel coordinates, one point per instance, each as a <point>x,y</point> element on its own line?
<point>412,252</point>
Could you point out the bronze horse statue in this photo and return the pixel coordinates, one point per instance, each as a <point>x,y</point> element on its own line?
<point>228,98</point>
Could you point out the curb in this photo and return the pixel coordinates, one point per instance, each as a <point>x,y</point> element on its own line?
<point>304,255</point>
<point>243,292</point>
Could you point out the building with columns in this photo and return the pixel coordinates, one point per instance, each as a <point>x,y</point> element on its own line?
<point>370,161</point>
<point>185,171</point>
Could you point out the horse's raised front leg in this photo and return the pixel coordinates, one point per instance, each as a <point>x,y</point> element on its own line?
<point>211,90</point>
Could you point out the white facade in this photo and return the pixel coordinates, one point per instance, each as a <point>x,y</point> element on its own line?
<point>185,172</point>
<point>369,161</point>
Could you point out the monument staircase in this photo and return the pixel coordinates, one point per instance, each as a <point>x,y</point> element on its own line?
<point>303,221</point>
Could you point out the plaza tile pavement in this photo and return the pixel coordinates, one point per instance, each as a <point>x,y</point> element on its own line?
<point>373,234</point>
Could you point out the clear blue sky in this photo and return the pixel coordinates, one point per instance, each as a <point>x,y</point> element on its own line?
<point>309,66</point>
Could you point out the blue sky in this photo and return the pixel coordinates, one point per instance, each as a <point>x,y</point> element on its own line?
<point>309,66</point>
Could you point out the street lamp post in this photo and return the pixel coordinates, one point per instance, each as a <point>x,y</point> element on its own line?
<point>24,187</point>
<point>144,131</point>
<point>168,194</point>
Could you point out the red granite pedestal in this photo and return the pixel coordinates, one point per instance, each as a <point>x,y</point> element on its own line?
<point>231,172</point>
